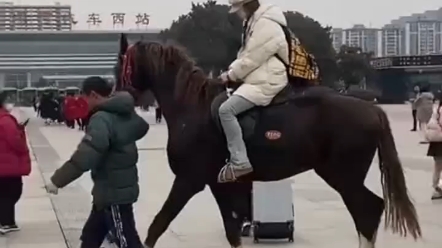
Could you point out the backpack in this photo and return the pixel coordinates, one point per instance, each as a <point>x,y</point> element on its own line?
<point>302,67</point>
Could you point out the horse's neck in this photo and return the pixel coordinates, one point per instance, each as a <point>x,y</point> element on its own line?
<point>179,112</point>
<point>178,109</point>
<point>176,112</point>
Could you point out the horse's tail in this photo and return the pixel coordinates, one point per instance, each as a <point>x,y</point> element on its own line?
<point>400,212</point>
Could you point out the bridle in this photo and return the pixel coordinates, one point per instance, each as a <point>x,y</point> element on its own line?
<point>127,67</point>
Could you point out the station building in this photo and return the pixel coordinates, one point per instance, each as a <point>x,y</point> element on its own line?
<point>33,59</point>
<point>397,75</point>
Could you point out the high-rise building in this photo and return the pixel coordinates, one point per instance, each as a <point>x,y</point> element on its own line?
<point>35,17</point>
<point>357,36</point>
<point>423,37</point>
<point>337,37</point>
<point>421,33</point>
<point>392,40</point>
<point>417,34</point>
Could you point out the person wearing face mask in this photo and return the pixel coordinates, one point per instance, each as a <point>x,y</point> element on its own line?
<point>15,162</point>
<point>260,66</point>
<point>9,106</point>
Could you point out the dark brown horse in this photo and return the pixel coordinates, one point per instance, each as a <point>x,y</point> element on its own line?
<point>337,136</point>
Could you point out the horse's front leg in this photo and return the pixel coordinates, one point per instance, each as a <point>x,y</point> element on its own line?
<point>232,202</point>
<point>182,191</point>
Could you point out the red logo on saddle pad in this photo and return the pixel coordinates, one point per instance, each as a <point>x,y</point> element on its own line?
<point>273,135</point>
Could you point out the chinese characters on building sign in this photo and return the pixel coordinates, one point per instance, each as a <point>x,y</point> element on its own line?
<point>142,20</point>
<point>419,60</point>
<point>118,19</point>
<point>381,63</point>
<point>94,20</point>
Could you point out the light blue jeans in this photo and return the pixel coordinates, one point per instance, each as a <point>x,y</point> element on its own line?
<point>228,111</point>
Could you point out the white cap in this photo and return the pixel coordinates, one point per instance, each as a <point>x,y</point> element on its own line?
<point>237,4</point>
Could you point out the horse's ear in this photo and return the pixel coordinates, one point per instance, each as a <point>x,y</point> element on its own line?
<point>124,44</point>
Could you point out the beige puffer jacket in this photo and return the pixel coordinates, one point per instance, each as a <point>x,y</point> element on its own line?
<point>263,74</point>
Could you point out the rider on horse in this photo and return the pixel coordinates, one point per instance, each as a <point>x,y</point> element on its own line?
<point>263,75</point>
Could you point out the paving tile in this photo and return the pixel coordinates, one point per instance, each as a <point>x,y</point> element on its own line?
<point>35,216</point>
<point>321,219</point>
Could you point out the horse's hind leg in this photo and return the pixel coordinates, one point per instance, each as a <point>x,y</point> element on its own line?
<point>366,210</point>
<point>365,207</point>
<point>182,191</point>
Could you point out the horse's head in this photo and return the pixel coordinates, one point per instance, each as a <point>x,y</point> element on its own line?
<point>165,70</point>
<point>126,70</point>
<point>144,66</point>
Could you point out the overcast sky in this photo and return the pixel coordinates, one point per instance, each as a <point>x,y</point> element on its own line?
<point>337,13</point>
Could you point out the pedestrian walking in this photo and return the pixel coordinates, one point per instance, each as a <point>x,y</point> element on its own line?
<point>424,107</point>
<point>433,134</point>
<point>34,103</point>
<point>109,151</point>
<point>37,105</point>
<point>49,108</point>
<point>83,111</point>
<point>15,162</point>
<point>413,98</point>
<point>70,110</point>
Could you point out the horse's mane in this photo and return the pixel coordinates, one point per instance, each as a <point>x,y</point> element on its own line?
<point>192,86</point>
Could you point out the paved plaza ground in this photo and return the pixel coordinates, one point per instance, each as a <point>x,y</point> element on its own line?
<point>321,218</point>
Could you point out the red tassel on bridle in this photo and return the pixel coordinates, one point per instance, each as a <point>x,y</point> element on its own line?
<point>128,65</point>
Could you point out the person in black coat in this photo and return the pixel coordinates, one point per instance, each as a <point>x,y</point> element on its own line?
<point>49,108</point>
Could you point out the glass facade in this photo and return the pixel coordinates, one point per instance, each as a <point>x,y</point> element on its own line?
<point>57,47</point>
<point>433,78</point>
<point>25,58</point>
<point>64,42</point>
<point>397,75</point>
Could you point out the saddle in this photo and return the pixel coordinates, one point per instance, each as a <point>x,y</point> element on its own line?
<point>248,119</point>
<point>290,95</point>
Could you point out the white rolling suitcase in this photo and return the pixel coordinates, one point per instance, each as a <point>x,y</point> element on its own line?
<point>273,212</point>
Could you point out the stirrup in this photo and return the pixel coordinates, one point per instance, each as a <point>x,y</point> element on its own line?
<point>223,173</point>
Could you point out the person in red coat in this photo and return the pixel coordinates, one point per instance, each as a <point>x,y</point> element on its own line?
<point>15,162</point>
<point>71,112</point>
<point>83,111</point>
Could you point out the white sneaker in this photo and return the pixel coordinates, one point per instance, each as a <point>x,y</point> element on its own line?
<point>8,229</point>
<point>437,194</point>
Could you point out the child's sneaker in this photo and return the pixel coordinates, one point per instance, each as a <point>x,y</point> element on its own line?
<point>8,229</point>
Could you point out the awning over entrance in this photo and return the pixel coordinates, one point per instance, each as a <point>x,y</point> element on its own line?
<point>53,62</point>
<point>75,77</point>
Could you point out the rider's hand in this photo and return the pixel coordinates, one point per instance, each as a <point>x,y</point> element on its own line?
<point>224,77</point>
